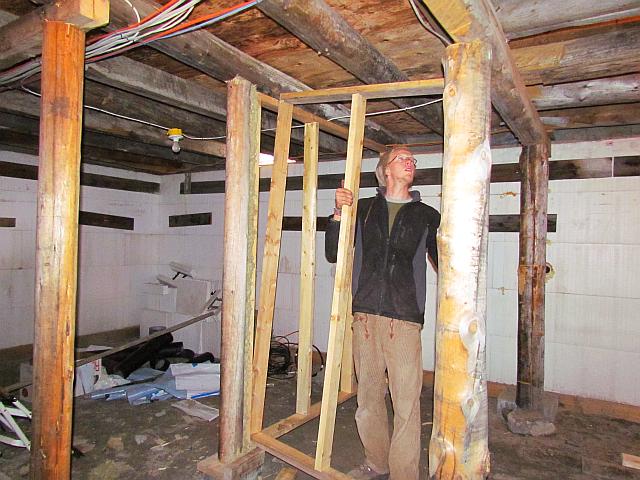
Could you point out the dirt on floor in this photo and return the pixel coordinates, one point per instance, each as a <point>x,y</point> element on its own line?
<point>157,441</point>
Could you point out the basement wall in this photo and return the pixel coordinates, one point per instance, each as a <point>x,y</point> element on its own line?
<point>113,263</point>
<point>593,324</point>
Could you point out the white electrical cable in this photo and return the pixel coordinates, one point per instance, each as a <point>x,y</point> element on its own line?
<point>426,26</point>
<point>395,110</point>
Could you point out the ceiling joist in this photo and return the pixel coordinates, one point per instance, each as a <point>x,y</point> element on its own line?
<point>328,33</point>
<point>468,20</point>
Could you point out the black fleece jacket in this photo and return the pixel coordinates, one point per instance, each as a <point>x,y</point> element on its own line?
<point>389,268</point>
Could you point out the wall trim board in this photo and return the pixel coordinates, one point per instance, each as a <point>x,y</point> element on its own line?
<point>606,167</point>
<point>575,403</point>
<point>106,221</point>
<point>30,172</point>
<point>7,222</point>
<point>190,219</point>
<point>497,223</point>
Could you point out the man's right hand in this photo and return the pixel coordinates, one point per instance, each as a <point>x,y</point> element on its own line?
<point>344,196</point>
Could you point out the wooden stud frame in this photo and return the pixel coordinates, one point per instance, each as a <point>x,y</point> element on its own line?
<point>339,383</point>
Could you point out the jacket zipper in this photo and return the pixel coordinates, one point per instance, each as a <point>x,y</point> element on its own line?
<point>386,251</point>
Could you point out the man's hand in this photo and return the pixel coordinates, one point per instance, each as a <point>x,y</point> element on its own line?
<point>344,196</point>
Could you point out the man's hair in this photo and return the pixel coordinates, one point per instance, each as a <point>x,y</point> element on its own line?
<point>385,159</point>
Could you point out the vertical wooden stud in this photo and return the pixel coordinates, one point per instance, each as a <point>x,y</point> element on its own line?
<point>252,246</point>
<point>341,297</point>
<point>459,439</point>
<point>57,249</point>
<point>348,371</point>
<point>534,187</point>
<point>270,264</point>
<point>239,186</point>
<point>307,267</point>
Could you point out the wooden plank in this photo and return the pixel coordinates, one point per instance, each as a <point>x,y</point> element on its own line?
<point>57,250</point>
<point>344,45</point>
<point>347,367</point>
<point>135,77</point>
<point>236,229</point>
<point>626,166</point>
<point>534,188</point>
<point>589,117</point>
<point>630,461</point>
<point>25,143</point>
<point>412,88</point>
<point>252,251</point>
<point>295,458</point>
<point>605,52</point>
<point>270,264</point>
<point>22,38</point>
<point>303,116</point>
<point>602,469</point>
<point>344,267</point>
<point>467,20</point>
<point>6,222</point>
<point>103,131</point>
<point>459,438</point>
<point>520,19</point>
<point>94,219</point>
<point>287,474</point>
<point>286,425</point>
<point>209,54</point>
<point>601,91</point>
<point>190,219</point>
<point>138,341</point>
<point>307,268</point>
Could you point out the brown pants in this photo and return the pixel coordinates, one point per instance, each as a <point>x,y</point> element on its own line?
<point>383,344</point>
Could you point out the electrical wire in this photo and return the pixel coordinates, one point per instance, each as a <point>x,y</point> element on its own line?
<point>394,110</point>
<point>165,22</point>
<point>426,26</point>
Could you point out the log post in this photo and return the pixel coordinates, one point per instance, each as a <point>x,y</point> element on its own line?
<point>239,189</point>
<point>534,187</point>
<point>57,249</point>
<point>459,443</point>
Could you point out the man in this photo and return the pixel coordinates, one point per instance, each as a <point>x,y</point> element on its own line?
<point>394,233</point>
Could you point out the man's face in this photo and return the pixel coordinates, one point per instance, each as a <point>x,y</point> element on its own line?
<point>402,166</point>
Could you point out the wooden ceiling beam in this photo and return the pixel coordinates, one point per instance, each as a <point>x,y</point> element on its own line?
<point>96,149</point>
<point>468,20</point>
<point>521,19</point>
<point>22,38</point>
<point>588,93</point>
<point>149,82</point>
<point>587,117</point>
<point>209,54</point>
<point>24,104</point>
<point>604,52</point>
<point>328,33</point>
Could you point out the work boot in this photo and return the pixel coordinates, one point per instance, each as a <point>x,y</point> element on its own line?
<point>365,472</point>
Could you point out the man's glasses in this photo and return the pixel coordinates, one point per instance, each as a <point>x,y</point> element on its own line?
<point>405,159</point>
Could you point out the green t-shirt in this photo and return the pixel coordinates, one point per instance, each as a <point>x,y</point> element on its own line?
<point>393,206</point>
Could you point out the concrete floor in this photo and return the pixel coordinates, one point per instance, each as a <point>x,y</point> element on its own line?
<point>156,441</point>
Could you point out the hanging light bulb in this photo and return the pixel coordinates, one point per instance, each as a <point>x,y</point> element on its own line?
<point>176,135</point>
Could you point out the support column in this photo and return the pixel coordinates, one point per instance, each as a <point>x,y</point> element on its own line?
<point>237,459</point>
<point>57,249</point>
<point>241,96</point>
<point>459,441</point>
<point>534,187</point>
<point>529,410</point>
